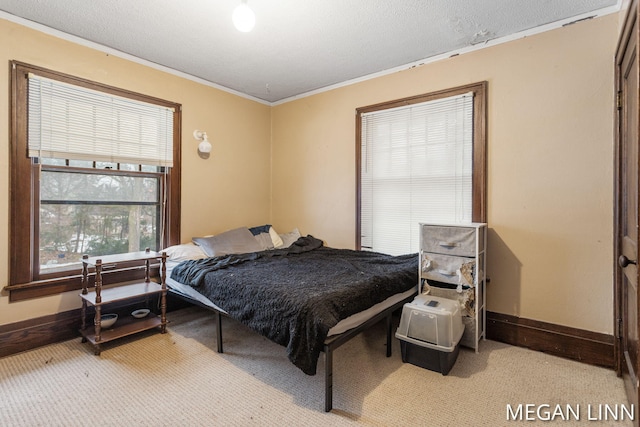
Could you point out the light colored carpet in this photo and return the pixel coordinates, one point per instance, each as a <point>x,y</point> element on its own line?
<point>179,379</point>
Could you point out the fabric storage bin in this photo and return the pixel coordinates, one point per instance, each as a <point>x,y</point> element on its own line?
<point>468,337</point>
<point>429,332</point>
<point>466,298</point>
<point>467,301</point>
<point>448,269</point>
<point>457,241</point>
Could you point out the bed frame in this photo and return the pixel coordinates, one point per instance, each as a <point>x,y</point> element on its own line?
<point>330,344</point>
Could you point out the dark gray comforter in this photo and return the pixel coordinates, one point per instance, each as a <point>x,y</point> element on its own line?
<point>293,296</point>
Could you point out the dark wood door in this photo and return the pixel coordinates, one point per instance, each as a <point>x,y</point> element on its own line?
<point>626,207</point>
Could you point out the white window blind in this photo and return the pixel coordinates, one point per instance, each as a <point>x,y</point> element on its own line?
<point>72,122</point>
<point>416,166</point>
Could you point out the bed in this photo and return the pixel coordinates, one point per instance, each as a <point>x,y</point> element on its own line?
<point>302,295</point>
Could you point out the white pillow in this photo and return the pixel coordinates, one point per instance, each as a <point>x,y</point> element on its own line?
<point>289,238</point>
<point>184,252</point>
<point>275,238</point>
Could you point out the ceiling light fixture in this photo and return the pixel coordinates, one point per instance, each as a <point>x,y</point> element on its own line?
<point>243,17</point>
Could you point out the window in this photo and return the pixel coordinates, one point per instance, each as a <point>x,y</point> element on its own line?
<point>94,170</point>
<point>96,209</point>
<point>420,159</point>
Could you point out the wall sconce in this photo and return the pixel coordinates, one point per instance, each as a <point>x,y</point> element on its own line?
<point>204,148</point>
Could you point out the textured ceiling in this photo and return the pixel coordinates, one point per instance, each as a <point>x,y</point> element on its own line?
<point>297,46</point>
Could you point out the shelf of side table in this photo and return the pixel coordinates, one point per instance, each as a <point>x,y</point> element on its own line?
<point>100,297</point>
<point>123,292</point>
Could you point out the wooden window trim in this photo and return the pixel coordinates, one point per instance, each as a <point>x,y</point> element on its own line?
<point>25,282</point>
<point>479,209</point>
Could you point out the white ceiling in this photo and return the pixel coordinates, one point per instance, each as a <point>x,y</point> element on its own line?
<point>297,46</point>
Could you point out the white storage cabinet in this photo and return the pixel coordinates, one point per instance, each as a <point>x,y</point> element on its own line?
<point>453,265</point>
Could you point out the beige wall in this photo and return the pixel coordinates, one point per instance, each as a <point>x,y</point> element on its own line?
<point>550,157</point>
<point>232,188</point>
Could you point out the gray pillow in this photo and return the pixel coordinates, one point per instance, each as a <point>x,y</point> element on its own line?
<point>236,241</point>
<point>264,240</point>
